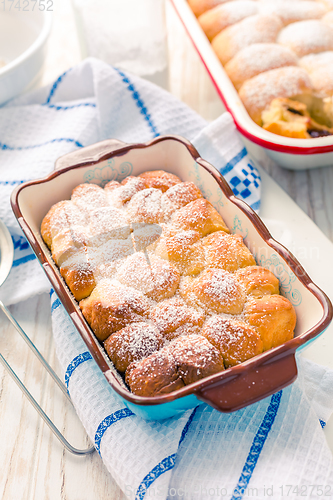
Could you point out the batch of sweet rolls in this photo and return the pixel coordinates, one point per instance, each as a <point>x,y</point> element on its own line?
<point>166,288</point>
<point>279,56</point>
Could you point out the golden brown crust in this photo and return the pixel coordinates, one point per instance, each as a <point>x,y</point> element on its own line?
<point>183,249</point>
<point>200,216</point>
<point>273,317</point>
<point>220,17</point>
<point>110,186</point>
<point>87,196</point>
<point>184,361</point>
<point>215,290</point>
<point>258,92</point>
<point>112,306</point>
<point>132,343</point>
<point>183,193</point>
<point>153,375</point>
<point>66,244</point>
<point>157,279</point>
<point>195,358</point>
<point>63,230</point>
<point>173,317</point>
<point>201,6</point>
<point>121,193</point>
<point>63,217</point>
<point>253,38</point>
<point>80,279</point>
<point>47,222</point>
<point>253,29</point>
<point>258,58</point>
<point>191,302</point>
<point>146,206</point>
<point>159,179</point>
<point>138,182</point>
<point>258,281</point>
<point>226,251</point>
<point>235,340</point>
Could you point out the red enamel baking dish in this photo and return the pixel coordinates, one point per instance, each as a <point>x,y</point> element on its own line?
<point>296,154</point>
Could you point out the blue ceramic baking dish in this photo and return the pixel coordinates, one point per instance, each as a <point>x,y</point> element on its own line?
<point>237,386</point>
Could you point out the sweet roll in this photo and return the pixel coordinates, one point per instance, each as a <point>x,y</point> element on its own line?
<point>168,291</point>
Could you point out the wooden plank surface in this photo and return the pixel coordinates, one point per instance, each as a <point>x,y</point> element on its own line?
<point>33,465</point>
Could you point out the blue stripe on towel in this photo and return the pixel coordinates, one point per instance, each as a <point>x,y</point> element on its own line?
<point>165,465</point>
<point>23,260</point>
<point>109,420</point>
<point>58,107</point>
<point>230,165</point>
<point>139,102</point>
<point>322,423</point>
<point>77,361</point>
<point>187,425</point>
<point>257,446</point>
<point>55,85</point>
<point>55,304</point>
<point>20,148</point>
<point>11,183</point>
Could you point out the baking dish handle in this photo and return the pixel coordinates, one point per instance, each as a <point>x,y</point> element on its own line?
<point>89,154</point>
<point>248,387</point>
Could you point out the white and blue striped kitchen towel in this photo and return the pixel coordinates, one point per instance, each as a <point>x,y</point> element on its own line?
<point>275,448</point>
<point>89,103</point>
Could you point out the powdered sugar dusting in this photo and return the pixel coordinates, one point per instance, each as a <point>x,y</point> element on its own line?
<point>88,196</point>
<point>132,343</point>
<point>183,193</point>
<point>176,317</point>
<point>305,37</point>
<point>221,285</point>
<point>320,69</point>
<point>223,291</point>
<point>124,192</point>
<point>215,20</point>
<point>250,49</point>
<point>146,206</point>
<point>256,59</point>
<point>235,340</point>
<point>158,280</point>
<point>140,261</point>
<point>184,361</point>
<point>258,92</point>
<point>123,295</point>
<point>226,251</point>
<point>253,29</point>
<point>108,222</point>
<point>290,12</point>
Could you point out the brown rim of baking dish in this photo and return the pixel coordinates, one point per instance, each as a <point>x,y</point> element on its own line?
<point>226,391</point>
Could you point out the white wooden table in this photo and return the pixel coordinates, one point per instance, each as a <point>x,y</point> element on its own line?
<point>33,464</point>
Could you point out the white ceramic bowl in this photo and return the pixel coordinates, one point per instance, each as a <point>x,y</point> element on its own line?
<point>296,154</point>
<point>23,36</point>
